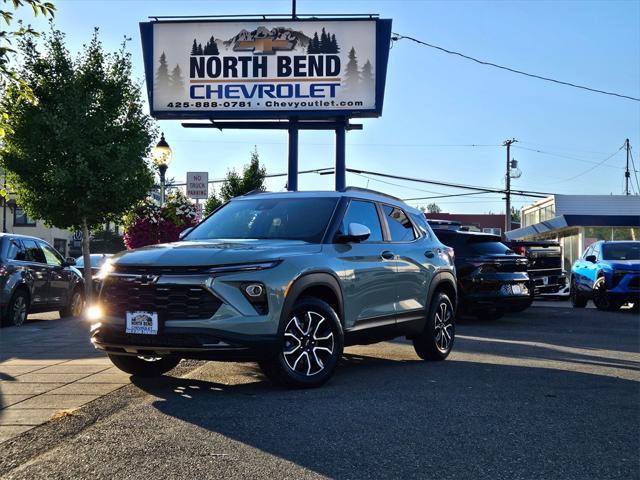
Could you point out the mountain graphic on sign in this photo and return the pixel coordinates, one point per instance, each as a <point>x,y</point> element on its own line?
<point>263,40</point>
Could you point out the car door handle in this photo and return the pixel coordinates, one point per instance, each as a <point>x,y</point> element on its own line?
<point>387,255</point>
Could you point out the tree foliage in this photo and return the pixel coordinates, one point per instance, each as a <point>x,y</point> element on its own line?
<point>252,178</point>
<point>77,157</point>
<point>8,37</point>
<point>434,208</point>
<point>211,204</point>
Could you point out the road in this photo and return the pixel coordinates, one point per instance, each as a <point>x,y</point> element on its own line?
<point>551,393</point>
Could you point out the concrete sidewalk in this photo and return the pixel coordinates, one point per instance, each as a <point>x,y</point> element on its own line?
<point>46,366</point>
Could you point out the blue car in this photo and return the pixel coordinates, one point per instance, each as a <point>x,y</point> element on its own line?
<point>607,273</point>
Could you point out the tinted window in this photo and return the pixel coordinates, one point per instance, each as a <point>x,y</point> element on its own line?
<point>15,250</point>
<point>421,223</point>
<point>269,218</point>
<point>33,252</point>
<point>399,224</point>
<point>51,256</point>
<point>621,251</point>
<point>469,244</point>
<point>366,214</point>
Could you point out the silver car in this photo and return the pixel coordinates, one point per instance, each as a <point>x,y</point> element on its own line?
<point>285,279</point>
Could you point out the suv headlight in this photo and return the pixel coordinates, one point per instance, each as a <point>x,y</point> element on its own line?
<point>106,268</point>
<point>244,267</point>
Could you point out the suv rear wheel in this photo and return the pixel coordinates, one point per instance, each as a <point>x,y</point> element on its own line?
<point>311,346</point>
<point>577,300</point>
<point>75,305</point>
<point>17,309</point>
<point>144,366</point>
<point>436,341</point>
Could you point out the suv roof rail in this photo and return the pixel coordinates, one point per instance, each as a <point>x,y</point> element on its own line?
<point>254,192</point>
<point>368,190</point>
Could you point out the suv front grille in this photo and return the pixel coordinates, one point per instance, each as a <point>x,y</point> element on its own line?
<point>152,270</point>
<point>171,302</point>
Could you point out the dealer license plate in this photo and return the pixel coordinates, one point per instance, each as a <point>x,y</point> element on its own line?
<point>142,323</point>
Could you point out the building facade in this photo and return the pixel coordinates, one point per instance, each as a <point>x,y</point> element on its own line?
<point>576,221</point>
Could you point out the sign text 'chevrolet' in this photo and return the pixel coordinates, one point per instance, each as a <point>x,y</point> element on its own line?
<point>267,68</point>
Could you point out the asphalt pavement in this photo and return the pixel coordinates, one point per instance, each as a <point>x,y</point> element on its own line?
<point>550,393</point>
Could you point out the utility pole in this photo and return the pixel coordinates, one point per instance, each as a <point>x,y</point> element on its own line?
<point>626,172</point>
<point>507,215</point>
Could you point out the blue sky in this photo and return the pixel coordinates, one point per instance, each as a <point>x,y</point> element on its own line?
<point>436,103</point>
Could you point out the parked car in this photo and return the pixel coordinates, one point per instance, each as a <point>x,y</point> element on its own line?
<point>492,278</point>
<point>545,265</point>
<point>608,272</point>
<point>97,260</point>
<point>35,278</point>
<point>285,279</point>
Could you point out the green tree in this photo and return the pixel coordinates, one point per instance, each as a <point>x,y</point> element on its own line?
<point>8,75</point>
<point>252,178</point>
<point>211,204</point>
<point>515,215</point>
<point>434,208</point>
<point>77,158</point>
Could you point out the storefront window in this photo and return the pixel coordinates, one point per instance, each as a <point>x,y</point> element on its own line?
<point>593,234</point>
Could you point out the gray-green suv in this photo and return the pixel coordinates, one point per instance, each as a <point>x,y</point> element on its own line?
<point>285,279</point>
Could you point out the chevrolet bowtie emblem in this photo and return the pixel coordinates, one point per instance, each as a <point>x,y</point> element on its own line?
<point>262,46</point>
<point>148,279</point>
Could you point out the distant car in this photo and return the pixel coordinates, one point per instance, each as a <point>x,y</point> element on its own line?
<point>492,278</point>
<point>444,224</point>
<point>545,265</point>
<point>97,260</point>
<point>35,278</point>
<point>607,273</point>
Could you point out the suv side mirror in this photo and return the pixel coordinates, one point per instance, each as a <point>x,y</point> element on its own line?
<point>69,261</point>
<point>357,233</point>
<point>591,258</point>
<point>185,232</point>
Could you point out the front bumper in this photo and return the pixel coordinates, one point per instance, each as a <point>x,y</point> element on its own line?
<point>488,292</point>
<point>184,343</point>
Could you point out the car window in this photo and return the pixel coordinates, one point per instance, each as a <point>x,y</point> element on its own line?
<point>587,252</point>
<point>621,251</point>
<point>51,256</point>
<point>33,252</point>
<point>267,218</point>
<point>15,250</point>
<point>421,223</point>
<point>400,226</point>
<point>364,213</point>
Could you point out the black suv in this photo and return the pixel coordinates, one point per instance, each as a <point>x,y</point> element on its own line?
<point>492,278</point>
<point>35,278</point>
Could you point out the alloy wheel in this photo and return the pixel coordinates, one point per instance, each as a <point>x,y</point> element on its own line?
<point>76,304</point>
<point>443,327</point>
<point>308,343</point>
<point>19,310</point>
<point>600,297</point>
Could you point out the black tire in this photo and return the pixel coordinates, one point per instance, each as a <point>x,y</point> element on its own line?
<point>310,347</point>
<point>142,367</point>
<point>436,340</point>
<point>489,315</point>
<point>577,300</point>
<point>17,310</point>
<point>73,308</point>
<point>602,299</point>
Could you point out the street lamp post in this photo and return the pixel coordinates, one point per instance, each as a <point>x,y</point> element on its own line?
<point>161,155</point>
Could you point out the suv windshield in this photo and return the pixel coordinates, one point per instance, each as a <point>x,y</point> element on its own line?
<point>621,251</point>
<point>303,219</point>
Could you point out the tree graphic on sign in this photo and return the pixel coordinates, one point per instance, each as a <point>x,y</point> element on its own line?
<point>352,73</point>
<point>368,82</point>
<point>162,75</point>
<point>175,80</point>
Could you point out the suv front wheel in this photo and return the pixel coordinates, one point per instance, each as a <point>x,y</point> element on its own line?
<point>436,340</point>
<point>311,345</point>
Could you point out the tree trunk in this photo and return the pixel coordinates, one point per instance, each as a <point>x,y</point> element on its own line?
<point>86,255</point>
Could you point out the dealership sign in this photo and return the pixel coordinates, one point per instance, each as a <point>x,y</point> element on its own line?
<point>197,185</point>
<point>266,69</point>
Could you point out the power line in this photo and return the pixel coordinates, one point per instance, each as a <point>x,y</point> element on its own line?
<point>513,70</point>
<point>544,152</point>
<point>591,168</point>
<point>633,166</point>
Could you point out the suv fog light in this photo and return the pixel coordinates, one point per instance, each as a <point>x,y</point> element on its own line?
<point>256,293</point>
<point>93,313</point>
<point>254,290</point>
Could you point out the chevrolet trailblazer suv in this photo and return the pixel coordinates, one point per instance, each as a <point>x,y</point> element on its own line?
<point>285,279</point>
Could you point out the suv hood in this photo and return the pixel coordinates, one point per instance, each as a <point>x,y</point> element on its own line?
<point>213,252</point>
<point>623,264</point>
